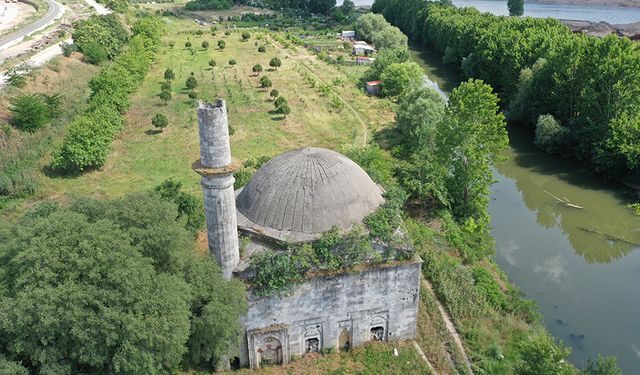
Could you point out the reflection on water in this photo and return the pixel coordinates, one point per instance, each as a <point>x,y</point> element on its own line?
<point>603,231</point>
<point>581,266</point>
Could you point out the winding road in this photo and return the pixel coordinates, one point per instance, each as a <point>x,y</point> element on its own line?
<point>53,11</point>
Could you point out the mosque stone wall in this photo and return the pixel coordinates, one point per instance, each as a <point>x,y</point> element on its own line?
<point>333,311</point>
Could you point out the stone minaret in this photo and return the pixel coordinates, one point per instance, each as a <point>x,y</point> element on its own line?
<point>216,168</point>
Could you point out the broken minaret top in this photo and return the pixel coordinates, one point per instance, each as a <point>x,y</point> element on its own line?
<point>215,150</point>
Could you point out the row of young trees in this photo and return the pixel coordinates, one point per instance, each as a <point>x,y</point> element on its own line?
<point>591,86</point>
<point>89,137</point>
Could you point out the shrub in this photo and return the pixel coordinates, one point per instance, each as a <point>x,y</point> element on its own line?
<point>257,68</point>
<point>100,36</point>
<point>265,82</point>
<point>191,83</point>
<point>165,86</point>
<point>284,109</point>
<point>68,48</point>
<point>190,207</point>
<point>29,112</point>
<point>212,63</point>
<point>280,101</point>
<point>275,62</point>
<point>205,44</point>
<point>232,62</point>
<point>160,121</point>
<point>262,49</point>
<point>169,75</point>
<point>165,96</point>
<point>488,285</point>
<point>274,93</point>
<point>187,44</point>
<point>246,35</point>
<point>221,44</point>
<point>549,134</point>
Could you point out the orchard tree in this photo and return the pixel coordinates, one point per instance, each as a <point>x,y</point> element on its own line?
<point>165,96</point>
<point>279,102</point>
<point>205,44</point>
<point>232,62</point>
<point>262,49</point>
<point>165,86</point>
<point>265,82</point>
<point>284,109</point>
<point>245,36</point>
<point>187,44</point>
<point>275,63</point>
<point>212,63</point>
<point>221,44</point>
<point>516,7</point>
<point>169,75</point>
<point>274,94</point>
<point>257,69</point>
<point>160,121</point>
<point>191,83</point>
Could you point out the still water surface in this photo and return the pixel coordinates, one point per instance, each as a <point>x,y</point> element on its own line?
<point>595,13</point>
<point>582,266</point>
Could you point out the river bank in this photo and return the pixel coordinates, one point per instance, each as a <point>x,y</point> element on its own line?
<point>617,3</point>
<point>564,258</point>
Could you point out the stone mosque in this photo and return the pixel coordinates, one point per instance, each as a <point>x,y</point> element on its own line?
<point>294,198</point>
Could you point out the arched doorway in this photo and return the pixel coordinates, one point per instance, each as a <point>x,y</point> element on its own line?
<point>270,352</point>
<point>377,333</point>
<point>344,340</point>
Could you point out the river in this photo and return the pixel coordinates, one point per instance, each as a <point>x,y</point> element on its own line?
<point>586,283</point>
<point>594,13</point>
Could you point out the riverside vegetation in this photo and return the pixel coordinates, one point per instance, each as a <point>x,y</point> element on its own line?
<point>444,214</point>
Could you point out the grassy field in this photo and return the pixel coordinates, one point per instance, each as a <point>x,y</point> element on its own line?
<point>373,358</point>
<point>141,158</point>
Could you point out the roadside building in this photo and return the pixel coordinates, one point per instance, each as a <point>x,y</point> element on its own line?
<point>363,49</point>
<point>348,35</point>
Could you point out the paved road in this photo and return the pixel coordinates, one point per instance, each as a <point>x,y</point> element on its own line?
<point>50,15</point>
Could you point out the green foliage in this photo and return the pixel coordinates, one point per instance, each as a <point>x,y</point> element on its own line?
<point>588,84</point>
<point>280,101</point>
<point>602,366</point>
<point>375,29</point>
<point>100,37</point>
<point>400,77</point>
<point>378,165</point>
<point>89,136</point>
<point>265,82</point>
<point>257,68</point>
<point>169,75</point>
<point>205,44</point>
<point>212,63</point>
<point>516,7</point>
<point>221,44</point>
<point>487,284</point>
<point>274,93</point>
<point>246,35</point>
<point>190,208</point>
<point>635,208</point>
<point>187,44</point>
<point>191,83</point>
<point>262,49</point>
<point>540,355</point>
<point>31,112</point>
<point>232,62</point>
<point>275,272</point>
<point>284,109</point>
<point>549,134</point>
<point>165,96</point>
<point>11,368</point>
<point>160,121</point>
<point>418,115</point>
<point>68,48</point>
<point>385,58</point>
<point>208,5</point>
<point>165,86</point>
<point>275,62</point>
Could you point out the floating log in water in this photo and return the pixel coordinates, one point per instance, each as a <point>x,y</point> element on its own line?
<point>564,201</point>
<point>610,236</point>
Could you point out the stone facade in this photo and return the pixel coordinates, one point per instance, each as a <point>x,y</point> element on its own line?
<point>333,312</point>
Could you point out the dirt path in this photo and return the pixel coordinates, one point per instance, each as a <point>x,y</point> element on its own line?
<point>365,131</point>
<point>450,327</point>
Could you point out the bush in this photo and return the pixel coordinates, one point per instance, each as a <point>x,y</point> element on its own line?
<point>100,37</point>
<point>68,48</point>
<point>487,284</point>
<point>232,62</point>
<point>274,93</point>
<point>29,112</point>
<point>191,83</point>
<point>275,62</point>
<point>165,86</point>
<point>160,121</point>
<point>221,44</point>
<point>257,68</point>
<point>262,49</point>
<point>284,109</point>
<point>212,63</point>
<point>549,134</point>
<point>246,35</point>
<point>265,82</point>
<point>205,44</point>
<point>94,53</point>
<point>169,75</point>
<point>190,207</point>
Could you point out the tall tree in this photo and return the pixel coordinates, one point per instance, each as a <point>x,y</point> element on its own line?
<point>516,7</point>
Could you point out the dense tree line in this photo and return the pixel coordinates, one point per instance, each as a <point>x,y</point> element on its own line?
<point>102,287</point>
<point>89,136</point>
<point>591,86</point>
<point>375,29</point>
